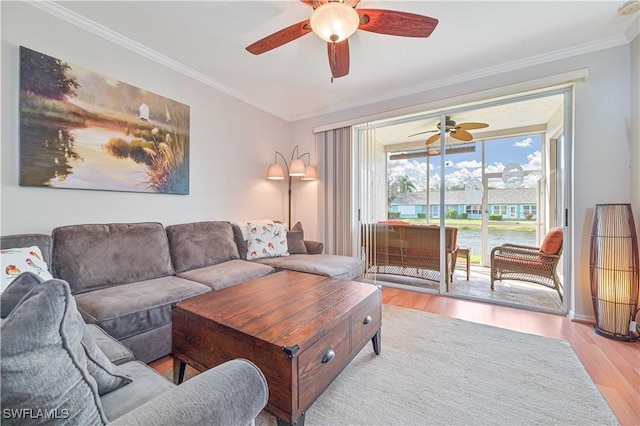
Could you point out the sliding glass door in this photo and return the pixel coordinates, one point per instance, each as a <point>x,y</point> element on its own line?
<point>440,190</point>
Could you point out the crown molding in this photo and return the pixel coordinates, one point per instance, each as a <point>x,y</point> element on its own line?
<point>476,74</point>
<point>142,50</point>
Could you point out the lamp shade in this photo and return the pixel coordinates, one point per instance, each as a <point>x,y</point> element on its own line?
<point>276,171</point>
<point>334,21</point>
<point>614,270</point>
<point>296,168</point>
<point>310,173</point>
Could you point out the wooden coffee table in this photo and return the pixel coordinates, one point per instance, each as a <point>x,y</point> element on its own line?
<point>300,329</point>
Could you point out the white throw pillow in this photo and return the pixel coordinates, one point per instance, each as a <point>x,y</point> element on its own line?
<point>267,240</point>
<point>24,259</point>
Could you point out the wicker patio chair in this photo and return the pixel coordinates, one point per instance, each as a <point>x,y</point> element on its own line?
<point>526,263</point>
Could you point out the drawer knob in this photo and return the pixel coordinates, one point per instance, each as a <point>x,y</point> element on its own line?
<point>367,319</point>
<point>328,356</point>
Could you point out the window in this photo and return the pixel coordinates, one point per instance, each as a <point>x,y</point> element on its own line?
<point>529,210</point>
<point>435,211</point>
<point>473,209</point>
<point>501,210</point>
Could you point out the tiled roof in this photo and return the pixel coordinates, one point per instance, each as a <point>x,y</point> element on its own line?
<point>496,196</point>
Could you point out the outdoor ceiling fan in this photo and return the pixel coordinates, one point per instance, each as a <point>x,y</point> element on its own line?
<point>457,131</point>
<point>336,20</point>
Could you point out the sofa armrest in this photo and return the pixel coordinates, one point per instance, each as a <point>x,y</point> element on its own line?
<point>314,247</point>
<point>232,393</point>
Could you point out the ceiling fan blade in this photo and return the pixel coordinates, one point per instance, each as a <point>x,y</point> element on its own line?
<point>312,3</point>
<point>471,126</point>
<point>279,38</point>
<point>396,23</point>
<point>462,135</point>
<point>422,133</point>
<point>339,58</point>
<point>432,139</point>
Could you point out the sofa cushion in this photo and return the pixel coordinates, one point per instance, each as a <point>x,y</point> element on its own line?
<point>328,265</point>
<point>115,351</point>
<point>18,288</point>
<point>241,243</point>
<point>43,363</point>
<point>147,384</point>
<point>200,244</point>
<point>268,240</point>
<point>90,257</point>
<point>130,309</point>
<point>228,273</point>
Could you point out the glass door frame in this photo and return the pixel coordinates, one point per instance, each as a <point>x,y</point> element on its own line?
<point>566,139</point>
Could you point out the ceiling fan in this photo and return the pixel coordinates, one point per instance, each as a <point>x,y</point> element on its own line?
<point>336,20</point>
<point>458,131</point>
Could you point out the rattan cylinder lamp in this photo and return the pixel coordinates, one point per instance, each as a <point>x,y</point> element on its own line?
<point>615,271</point>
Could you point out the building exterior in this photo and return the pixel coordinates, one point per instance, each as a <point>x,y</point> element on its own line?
<point>509,204</point>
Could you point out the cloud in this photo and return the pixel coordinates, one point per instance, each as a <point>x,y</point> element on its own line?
<point>415,170</point>
<point>535,161</point>
<point>473,164</point>
<point>523,143</point>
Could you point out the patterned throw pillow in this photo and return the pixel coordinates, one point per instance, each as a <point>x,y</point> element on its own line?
<point>267,240</point>
<point>18,260</point>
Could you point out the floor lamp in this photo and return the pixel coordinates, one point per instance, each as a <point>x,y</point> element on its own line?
<point>295,168</point>
<point>614,271</point>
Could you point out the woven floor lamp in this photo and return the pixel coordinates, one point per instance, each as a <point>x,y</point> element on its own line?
<point>614,271</point>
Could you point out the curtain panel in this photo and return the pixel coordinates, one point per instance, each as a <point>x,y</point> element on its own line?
<point>335,191</point>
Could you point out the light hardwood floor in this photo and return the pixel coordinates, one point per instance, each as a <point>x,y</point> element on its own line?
<point>613,366</point>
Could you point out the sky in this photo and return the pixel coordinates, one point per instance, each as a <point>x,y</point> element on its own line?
<point>464,169</point>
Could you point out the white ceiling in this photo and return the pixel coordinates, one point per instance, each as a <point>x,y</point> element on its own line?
<point>207,40</point>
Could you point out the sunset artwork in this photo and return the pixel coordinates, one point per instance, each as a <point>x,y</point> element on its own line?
<point>83,130</point>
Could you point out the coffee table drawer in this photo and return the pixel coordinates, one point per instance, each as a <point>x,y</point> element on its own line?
<point>322,362</point>
<point>365,320</point>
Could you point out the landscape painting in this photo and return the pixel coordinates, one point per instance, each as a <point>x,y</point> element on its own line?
<point>83,130</point>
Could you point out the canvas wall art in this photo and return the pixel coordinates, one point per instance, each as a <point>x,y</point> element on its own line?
<point>83,130</point>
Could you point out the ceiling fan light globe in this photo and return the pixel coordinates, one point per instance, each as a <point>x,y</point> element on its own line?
<point>334,21</point>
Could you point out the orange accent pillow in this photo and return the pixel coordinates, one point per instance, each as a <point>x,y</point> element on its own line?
<point>552,242</point>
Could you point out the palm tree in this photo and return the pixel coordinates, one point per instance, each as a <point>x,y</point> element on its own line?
<point>400,184</point>
<point>405,184</point>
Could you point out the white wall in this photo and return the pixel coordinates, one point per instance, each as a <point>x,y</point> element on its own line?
<point>601,153</point>
<point>231,142</point>
<point>634,128</point>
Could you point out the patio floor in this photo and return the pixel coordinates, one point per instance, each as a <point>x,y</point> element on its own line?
<point>479,287</point>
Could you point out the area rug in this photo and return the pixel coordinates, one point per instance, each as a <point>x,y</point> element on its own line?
<point>435,370</point>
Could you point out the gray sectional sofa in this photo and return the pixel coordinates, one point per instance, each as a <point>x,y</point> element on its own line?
<point>58,370</point>
<point>122,280</point>
<point>127,277</point>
